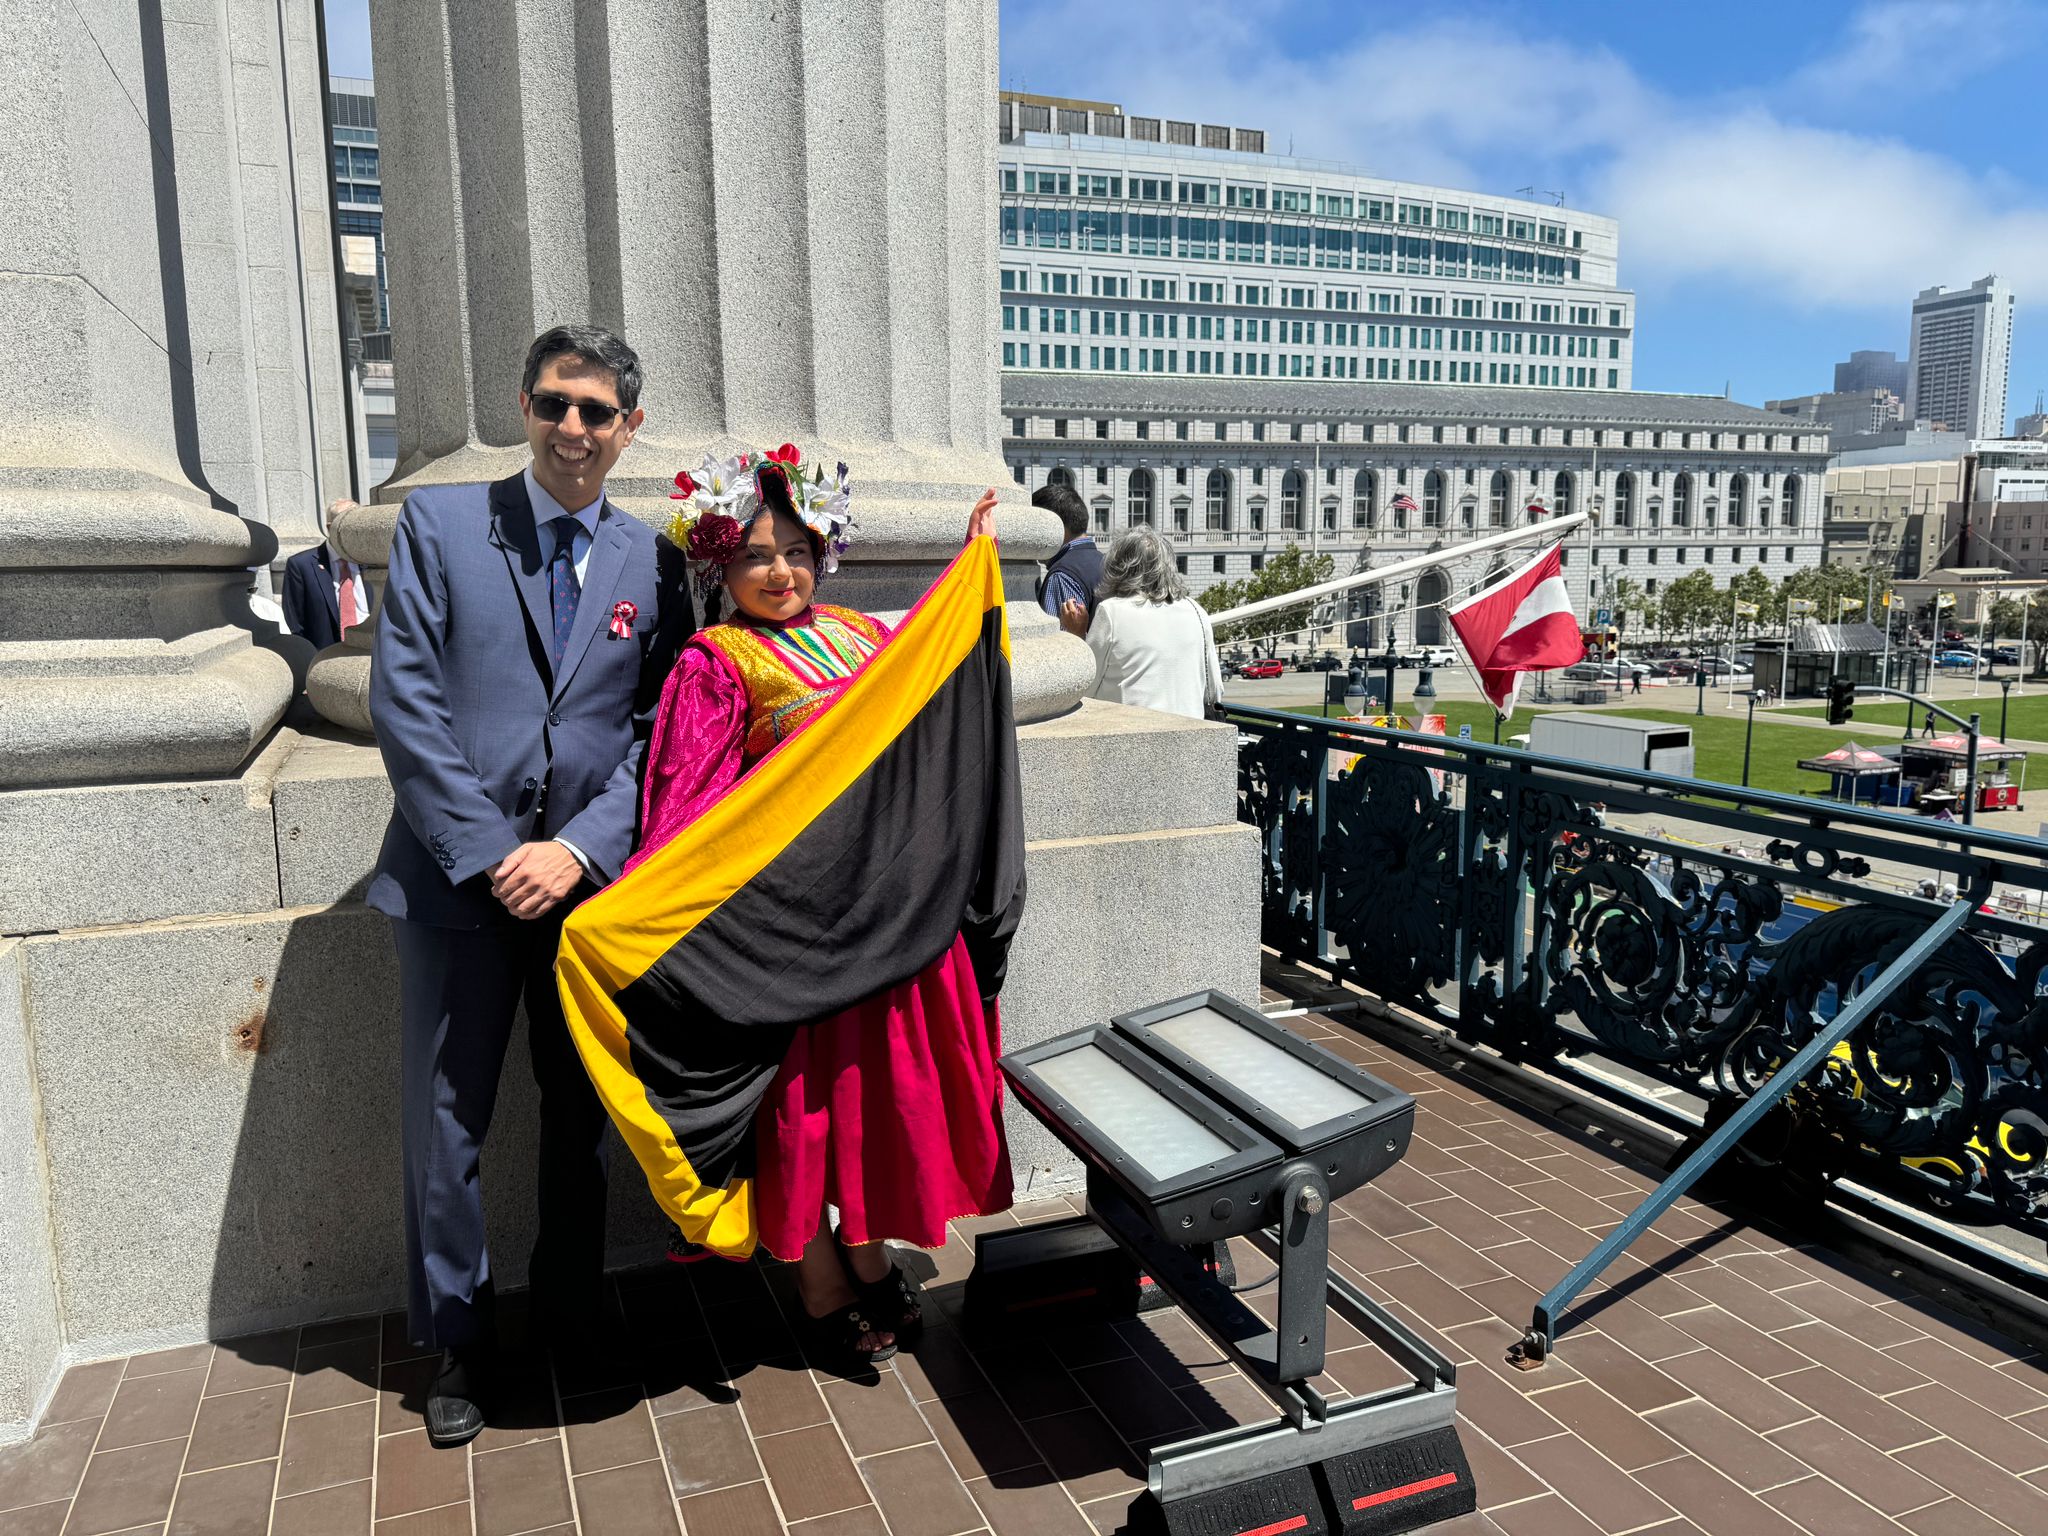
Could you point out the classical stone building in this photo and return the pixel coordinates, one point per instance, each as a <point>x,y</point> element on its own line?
<point>198,1016</point>
<point>1235,471</point>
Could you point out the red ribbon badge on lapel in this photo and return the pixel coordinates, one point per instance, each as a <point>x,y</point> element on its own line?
<point>623,615</point>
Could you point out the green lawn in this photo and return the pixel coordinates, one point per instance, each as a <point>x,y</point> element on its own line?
<point>1716,738</point>
<point>2028,719</point>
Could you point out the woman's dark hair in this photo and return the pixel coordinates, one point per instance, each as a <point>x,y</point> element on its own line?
<point>595,346</point>
<point>775,497</point>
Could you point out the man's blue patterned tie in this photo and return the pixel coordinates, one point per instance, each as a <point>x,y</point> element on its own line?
<point>563,588</point>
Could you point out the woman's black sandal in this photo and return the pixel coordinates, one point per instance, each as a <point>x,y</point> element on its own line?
<point>834,1339</point>
<point>898,1300</point>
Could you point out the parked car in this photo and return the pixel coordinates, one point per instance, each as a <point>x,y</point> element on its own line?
<point>2009,654</point>
<point>1962,660</point>
<point>1265,667</point>
<point>1954,636</point>
<point>1326,662</point>
<point>1429,656</point>
<point>1666,669</point>
<point>1614,673</point>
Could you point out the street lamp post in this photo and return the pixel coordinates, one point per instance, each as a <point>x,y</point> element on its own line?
<point>1700,677</point>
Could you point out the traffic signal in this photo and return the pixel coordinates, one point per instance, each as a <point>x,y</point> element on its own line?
<point>1841,700</point>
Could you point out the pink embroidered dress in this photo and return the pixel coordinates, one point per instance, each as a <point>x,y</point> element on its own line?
<point>892,1109</point>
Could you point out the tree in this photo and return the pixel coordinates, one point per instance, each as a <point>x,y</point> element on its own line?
<point>1753,586</point>
<point>1288,571</point>
<point>1691,602</point>
<point>1627,597</point>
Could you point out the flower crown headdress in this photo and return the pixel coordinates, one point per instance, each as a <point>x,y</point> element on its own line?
<point>723,497</point>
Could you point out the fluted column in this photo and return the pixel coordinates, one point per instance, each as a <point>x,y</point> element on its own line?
<point>788,210</point>
<point>122,585</point>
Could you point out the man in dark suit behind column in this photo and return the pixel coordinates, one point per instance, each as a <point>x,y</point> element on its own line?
<point>525,632</point>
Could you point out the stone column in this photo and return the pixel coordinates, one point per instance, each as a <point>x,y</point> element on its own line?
<point>789,211</point>
<point>122,584</point>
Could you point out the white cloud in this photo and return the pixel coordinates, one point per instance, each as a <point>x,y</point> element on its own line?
<point>1729,186</point>
<point>1917,44</point>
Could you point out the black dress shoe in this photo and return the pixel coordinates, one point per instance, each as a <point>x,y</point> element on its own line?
<point>453,1417</point>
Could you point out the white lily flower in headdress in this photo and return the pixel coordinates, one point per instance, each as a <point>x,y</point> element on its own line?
<point>721,483</point>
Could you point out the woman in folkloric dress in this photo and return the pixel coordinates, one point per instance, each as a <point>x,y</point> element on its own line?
<point>886,1102</point>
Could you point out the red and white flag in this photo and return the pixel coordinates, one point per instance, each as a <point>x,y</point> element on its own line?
<point>1524,623</point>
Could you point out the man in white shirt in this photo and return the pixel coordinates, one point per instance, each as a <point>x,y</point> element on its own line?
<point>325,595</point>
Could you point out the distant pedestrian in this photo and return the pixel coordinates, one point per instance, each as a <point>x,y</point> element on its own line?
<point>1635,682</point>
<point>324,592</point>
<point>1153,643</point>
<point>1075,569</point>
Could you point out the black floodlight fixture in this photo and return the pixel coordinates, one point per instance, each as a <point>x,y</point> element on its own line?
<point>1310,1102</point>
<point>1196,1171</point>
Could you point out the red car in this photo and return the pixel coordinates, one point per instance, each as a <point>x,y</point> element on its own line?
<point>1267,668</point>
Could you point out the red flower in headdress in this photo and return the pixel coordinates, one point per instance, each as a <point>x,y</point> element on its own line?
<point>716,538</point>
<point>685,487</point>
<point>786,454</point>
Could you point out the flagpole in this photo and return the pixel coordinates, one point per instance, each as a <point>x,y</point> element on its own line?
<point>1399,568</point>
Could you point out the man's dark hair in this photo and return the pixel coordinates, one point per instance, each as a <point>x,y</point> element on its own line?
<point>595,346</point>
<point>1067,503</point>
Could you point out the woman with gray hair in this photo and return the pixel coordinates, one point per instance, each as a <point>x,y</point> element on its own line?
<point>1152,642</point>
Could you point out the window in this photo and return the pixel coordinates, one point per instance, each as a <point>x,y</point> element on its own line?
<point>1433,499</point>
<point>1216,564</point>
<point>1497,500</point>
<point>1364,499</point>
<point>1624,500</point>
<point>1219,501</point>
<point>1290,500</point>
<point>1561,494</point>
<point>1060,476</point>
<point>1101,510</point>
<point>1059,426</point>
<point>1681,502</point>
<point>1102,426</point>
<point>1789,508</point>
<point>1138,498</point>
<point>1738,500</point>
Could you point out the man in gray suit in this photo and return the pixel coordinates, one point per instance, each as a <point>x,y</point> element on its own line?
<point>524,635</point>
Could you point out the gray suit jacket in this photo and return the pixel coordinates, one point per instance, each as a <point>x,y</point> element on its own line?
<point>487,745</point>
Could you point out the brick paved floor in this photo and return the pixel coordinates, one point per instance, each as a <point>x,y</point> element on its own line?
<point>1725,1381</point>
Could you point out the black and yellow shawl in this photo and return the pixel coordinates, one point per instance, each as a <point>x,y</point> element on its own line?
<point>841,864</point>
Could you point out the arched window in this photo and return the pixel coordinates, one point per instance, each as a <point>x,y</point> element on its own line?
<point>1561,494</point>
<point>1624,500</point>
<point>1681,502</point>
<point>1738,501</point>
<point>1364,500</point>
<point>1219,501</point>
<point>1430,594</point>
<point>1290,500</point>
<point>1497,500</point>
<point>1433,499</point>
<point>1788,509</point>
<point>1060,476</point>
<point>1138,498</point>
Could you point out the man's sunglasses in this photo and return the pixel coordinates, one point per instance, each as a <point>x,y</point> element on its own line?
<point>595,414</point>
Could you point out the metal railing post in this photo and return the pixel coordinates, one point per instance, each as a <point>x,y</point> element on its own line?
<point>1541,1338</point>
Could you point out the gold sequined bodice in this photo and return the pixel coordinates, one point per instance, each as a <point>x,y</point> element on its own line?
<point>792,671</point>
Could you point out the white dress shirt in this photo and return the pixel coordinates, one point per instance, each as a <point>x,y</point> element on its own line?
<point>545,510</point>
<point>348,574</point>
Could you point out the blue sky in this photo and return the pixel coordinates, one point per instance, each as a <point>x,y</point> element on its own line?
<point>1787,176</point>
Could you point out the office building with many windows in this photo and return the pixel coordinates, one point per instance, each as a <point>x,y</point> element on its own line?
<point>1961,357</point>
<point>1141,246</point>
<point>1234,470</point>
<point>359,223</point>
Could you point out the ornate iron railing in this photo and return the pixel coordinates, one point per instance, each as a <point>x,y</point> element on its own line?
<point>1552,913</point>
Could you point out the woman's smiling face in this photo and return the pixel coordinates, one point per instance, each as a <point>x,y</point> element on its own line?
<point>776,571</point>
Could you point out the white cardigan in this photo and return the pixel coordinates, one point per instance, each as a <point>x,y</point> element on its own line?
<point>1158,655</point>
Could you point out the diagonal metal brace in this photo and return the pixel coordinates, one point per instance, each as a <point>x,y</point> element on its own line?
<point>1541,1338</point>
